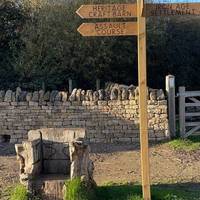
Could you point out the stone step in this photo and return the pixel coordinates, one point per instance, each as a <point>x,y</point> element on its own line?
<point>50,186</point>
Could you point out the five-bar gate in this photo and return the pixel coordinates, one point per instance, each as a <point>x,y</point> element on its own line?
<point>189,112</point>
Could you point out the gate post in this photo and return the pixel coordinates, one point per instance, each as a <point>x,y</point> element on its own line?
<point>98,84</point>
<point>182,110</point>
<point>70,85</point>
<point>170,89</point>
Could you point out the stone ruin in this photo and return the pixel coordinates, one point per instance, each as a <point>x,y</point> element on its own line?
<point>50,157</point>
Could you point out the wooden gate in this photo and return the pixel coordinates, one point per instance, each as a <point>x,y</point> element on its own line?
<point>189,112</point>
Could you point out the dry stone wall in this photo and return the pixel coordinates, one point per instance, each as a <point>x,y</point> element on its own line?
<point>109,115</point>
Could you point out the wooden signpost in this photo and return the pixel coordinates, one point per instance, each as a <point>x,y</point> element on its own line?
<point>107,11</point>
<point>143,116</point>
<point>108,29</point>
<point>101,11</point>
<point>141,11</point>
<point>123,29</point>
<point>172,9</point>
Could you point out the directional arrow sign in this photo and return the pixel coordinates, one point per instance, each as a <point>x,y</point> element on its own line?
<point>108,11</point>
<point>172,9</point>
<point>108,29</point>
<point>130,11</point>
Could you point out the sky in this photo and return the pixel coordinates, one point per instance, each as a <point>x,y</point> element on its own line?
<point>176,1</point>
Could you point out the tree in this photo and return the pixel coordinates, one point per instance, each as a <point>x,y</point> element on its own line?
<point>40,44</point>
<point>12,18</point>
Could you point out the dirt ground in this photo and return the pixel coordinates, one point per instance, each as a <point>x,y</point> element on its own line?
<point>9,167</point>
<point>121,163</point>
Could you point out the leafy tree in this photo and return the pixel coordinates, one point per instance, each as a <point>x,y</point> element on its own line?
<point>12,18</point>
<point>54,51</point>
<point>40,45</point>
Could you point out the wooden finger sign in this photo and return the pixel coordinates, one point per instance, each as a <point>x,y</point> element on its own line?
<point>107,11</point>
<point>108,29</point>
<point>171,9</point>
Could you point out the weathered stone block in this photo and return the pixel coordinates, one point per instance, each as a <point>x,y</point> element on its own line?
<point>8,96</point>
<point>2,94</point>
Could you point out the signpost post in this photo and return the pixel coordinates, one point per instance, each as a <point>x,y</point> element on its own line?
<point>124,29</point>
<point>141,11</point>
<point>142,83</point>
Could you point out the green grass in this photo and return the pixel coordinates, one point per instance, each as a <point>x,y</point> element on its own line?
<point>76,190</point>
<point>133,192</point>
<point>19,193</point>
<point>118,192</point>
<point>192,143</point>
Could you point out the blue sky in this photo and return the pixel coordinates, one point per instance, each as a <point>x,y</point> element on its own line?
<point>176,1</point>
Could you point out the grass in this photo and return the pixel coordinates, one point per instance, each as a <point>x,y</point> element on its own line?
<point>113,191</point>
<point>77,190</point>
<point>19,193</point>
<point>133,192</point>
<point>191,143</point>
<point>118,192</point>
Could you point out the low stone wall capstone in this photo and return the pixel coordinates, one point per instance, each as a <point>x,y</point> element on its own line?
<point>109,115</point>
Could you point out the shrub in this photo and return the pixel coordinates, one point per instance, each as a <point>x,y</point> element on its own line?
<point>19,193</point>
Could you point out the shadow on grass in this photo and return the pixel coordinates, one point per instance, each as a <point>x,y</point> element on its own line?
<point>184,191</point>
<point>195,139</point>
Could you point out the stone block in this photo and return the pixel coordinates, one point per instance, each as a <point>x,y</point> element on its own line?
<point>5,103</point>
<point>67,103</point>
<point>33,103</point>
<point>102,103</point>
<point>8,96</point>
<point>76,103</point>
<point>163,102</point>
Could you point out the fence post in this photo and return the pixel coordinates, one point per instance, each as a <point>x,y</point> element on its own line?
<point>182,110</point>
<point>43,86</point>
<point>70,85</point>
<point>170,89</point>
<point>98,87</point>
